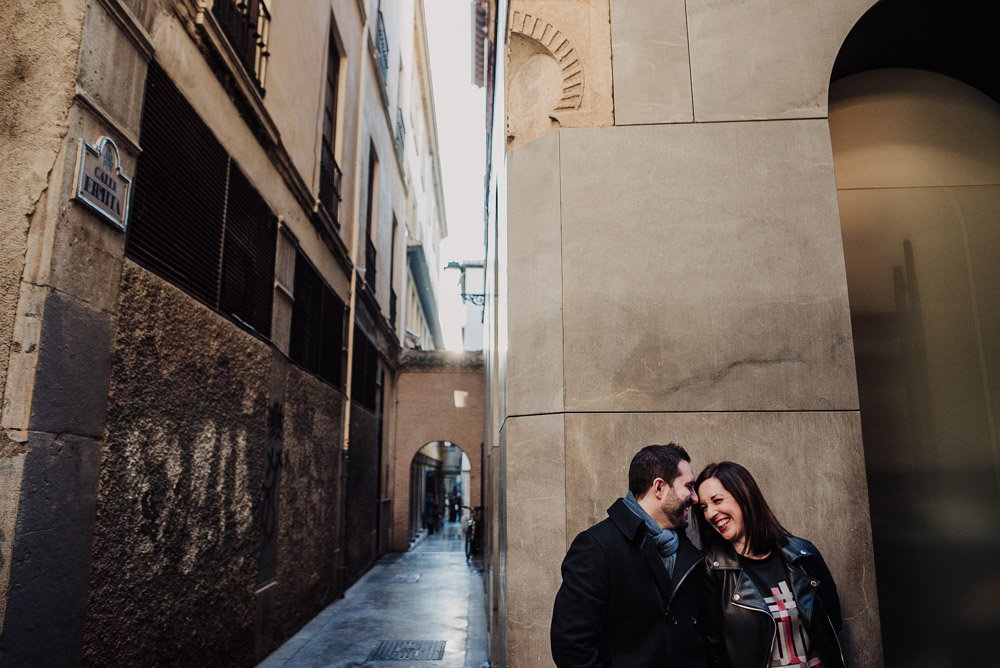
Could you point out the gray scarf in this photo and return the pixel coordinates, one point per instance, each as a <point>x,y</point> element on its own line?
<point>666,540</point>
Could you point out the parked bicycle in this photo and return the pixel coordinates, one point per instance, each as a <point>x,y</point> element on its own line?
<point>473,539</point>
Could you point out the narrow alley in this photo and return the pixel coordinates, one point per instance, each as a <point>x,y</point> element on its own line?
<point>425,607</point>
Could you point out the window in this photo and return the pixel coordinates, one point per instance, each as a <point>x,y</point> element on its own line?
<point>371,218</point>
<point>382,47</point>
<point>197,221</point>
<point>400,131</point>
<point>364,379</point>
<point>392,274</point>
<point>247,24</point>
<point>317,336</point>
<point>329,171</point>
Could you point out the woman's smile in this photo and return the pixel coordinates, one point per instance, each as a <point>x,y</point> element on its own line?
<point>722,512</point>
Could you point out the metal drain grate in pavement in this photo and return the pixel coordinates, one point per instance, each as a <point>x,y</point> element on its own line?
<point>408,650</point>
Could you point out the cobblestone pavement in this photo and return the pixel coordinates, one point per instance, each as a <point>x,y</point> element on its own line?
<point>407,605</point>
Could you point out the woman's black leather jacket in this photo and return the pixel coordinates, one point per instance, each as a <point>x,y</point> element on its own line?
<point>739,629</point>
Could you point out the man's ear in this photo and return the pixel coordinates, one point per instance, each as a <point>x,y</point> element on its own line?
<point>659,485</point>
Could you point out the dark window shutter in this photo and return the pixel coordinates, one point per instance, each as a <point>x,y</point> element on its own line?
<point>317,336</point>
<point>180,192</point>
<point>305,334</point>
<point>248,254</point>
<point>364,380</point>
<point>196,219</point>
<point>333,336</point>
<point>358,364</point>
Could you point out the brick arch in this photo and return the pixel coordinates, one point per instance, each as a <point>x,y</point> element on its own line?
<point>426,413</point>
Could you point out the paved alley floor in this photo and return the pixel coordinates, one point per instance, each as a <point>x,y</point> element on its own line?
<point>426,602</point>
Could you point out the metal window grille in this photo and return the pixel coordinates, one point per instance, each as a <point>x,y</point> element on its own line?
<point>247,24</point>
<point>370,266</point>
<point>329,184</point>
<point>400,131</point>
<point>382,47</point>
<point>317,336</point>
<point>329,172</point>
<point>196,220</point>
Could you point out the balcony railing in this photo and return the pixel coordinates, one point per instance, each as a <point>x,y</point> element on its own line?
<point>370,264</point>
<point>247,24</point>
<point>392,308</point>
<point>329,182</point>
<point>382,48</point>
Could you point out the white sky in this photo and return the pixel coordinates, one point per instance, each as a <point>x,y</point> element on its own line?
<point>461,124</point>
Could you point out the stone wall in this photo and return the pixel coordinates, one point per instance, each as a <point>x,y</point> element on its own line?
<point>362,490</point>
<point>310,492</point>
<point>37,71</point>
<point>177,531</point>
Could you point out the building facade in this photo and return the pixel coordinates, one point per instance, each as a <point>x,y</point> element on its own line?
<point>213,214</point>
<point>766,231</point>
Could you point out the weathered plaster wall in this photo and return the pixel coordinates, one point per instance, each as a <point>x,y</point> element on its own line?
<point>38,63</point>
<point>37,70</point>
<point>176,533</point>
<point>307,514</point>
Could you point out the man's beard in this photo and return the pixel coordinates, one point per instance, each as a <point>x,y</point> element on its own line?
<point>676,512</point>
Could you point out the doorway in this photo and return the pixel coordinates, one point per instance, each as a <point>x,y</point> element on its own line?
<point>917,157</point>
<point>439,488</point>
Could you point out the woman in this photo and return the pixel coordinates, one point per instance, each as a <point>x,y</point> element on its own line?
<point>768,599</point>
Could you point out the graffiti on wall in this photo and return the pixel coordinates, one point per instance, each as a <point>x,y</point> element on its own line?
<point>188,497</point>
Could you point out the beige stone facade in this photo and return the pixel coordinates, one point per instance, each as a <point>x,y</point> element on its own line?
<point>672,273</point>
<point>780,250</point>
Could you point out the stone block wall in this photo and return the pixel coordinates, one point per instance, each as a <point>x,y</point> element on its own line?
<point>309,493</point>
<point>177,528</point>
<point>674,273</point>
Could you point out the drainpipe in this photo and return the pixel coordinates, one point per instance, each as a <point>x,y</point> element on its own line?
<point>352,314</point>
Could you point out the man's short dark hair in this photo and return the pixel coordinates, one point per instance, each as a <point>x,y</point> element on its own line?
<point>652,462</point>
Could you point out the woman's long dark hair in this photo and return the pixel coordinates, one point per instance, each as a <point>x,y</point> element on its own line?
<point>764,532</point>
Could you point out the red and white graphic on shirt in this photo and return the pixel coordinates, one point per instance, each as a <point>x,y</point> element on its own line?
<point>791,644</point>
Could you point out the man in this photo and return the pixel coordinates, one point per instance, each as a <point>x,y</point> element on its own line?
<point>629,595</point>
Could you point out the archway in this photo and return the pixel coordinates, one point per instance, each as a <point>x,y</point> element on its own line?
<point>917,157</point>
<point>440,485</point>
<point>439,399</point>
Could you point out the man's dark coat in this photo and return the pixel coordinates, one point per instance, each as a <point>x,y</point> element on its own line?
<point>618,607</point>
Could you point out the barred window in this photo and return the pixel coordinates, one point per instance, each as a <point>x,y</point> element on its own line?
<point>330,174</point>
<point>196,220</point>
<point>364,378</point>
<point>317,337</point>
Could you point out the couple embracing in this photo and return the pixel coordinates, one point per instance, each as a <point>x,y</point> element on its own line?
<point>637,593</point>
